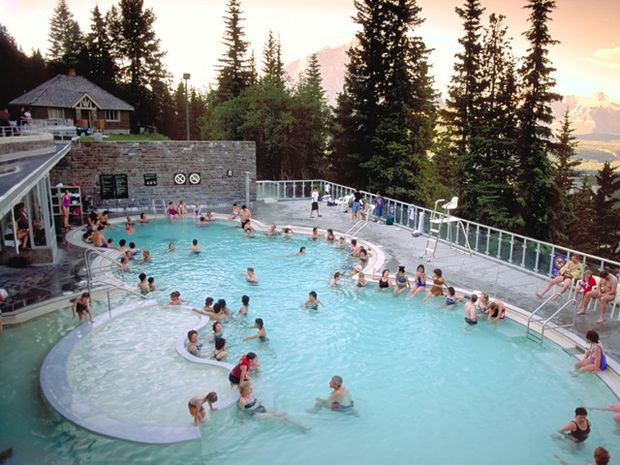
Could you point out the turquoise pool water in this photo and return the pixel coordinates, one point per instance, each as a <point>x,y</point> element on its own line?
<point>428,388</point>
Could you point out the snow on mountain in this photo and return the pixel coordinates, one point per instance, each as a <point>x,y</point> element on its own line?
<point>595,115</point>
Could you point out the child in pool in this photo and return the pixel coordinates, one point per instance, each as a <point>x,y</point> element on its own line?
<point>313,302</point>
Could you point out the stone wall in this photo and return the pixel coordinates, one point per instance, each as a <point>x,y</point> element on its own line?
<point>88,160</point>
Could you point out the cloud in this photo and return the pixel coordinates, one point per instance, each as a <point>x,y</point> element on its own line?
<point>606,57</point>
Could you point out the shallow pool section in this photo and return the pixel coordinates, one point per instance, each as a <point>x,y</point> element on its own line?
<point>124,378</point>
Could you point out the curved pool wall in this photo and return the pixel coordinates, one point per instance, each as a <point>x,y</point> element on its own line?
<point>59,391</point>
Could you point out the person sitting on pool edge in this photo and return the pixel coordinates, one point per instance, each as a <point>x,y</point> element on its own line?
<point>339,399</point>
<point>594,359</point>
<point>578,429</point>
<point>313,302</point>
<point>240,372</point>
<point>196,406</point>
<point>571,270</point>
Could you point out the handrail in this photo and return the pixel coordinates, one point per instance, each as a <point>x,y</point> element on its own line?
<point>514,250</point>
<point>545,322</point>
<point>87,253</point>
<point>120,288</point>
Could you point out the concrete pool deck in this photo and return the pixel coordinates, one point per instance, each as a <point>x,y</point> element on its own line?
<point>474,272</point>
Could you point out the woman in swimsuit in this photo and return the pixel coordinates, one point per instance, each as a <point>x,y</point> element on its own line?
<point>241,371</point>
<point>594,358</point>
<point>261,335</point>
<point>420,281</point>
<point>172,211</point>
<point>250,405</point>
<point>400,278</point>
<point>335,279</point>
<point>81,307</point>
<point>384,279</point>
<point>438,284</point>
<point>329,237</point>
<point>193,346</point>
<point>219,352</point>
<point>218,330</point>
<point>578,429</point>
<point>66,202</point>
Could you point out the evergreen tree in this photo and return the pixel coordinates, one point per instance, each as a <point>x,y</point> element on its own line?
<point>273,68</point>
<point>535,171</point>
<point>494,144</point>
<point>389,91</point>
<point>606,232</point>
<point>462,110</point>
<point>101,66</point>
<point>65,38</point>
<point>235,71</point>
<point>140,58</point>
<point>565,162</point>
<point>582,235</point>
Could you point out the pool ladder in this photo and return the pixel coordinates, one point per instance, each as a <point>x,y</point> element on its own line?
<point>538,337</point>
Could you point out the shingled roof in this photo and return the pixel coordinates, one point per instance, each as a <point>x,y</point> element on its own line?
<point>66,91</point>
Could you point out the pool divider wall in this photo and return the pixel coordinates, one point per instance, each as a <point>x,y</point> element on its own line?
<point>56,386</point>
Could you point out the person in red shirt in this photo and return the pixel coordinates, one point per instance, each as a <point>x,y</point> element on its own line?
<point>587,284</point>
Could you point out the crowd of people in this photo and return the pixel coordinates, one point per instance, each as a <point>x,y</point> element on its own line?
<point>476,306</point>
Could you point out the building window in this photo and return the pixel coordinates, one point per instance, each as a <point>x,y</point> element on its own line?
<point>55,113</point>
<point>112,115</point>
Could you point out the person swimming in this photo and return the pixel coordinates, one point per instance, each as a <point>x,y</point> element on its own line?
<point>193,346</point>
<point>195,247</point>
<point>245,305</point>
<point>261,335</point>
<point>335,279</point>
<point>248,404</point>
<point>313,302</point>
<point>219,352</point>
<point>250,276</point>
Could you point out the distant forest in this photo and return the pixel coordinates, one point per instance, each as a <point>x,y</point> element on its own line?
<point>491,144</point>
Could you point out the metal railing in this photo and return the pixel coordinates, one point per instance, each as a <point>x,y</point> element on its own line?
<point>89,267</point>
<point>539,337</point>
<point>514,250</point>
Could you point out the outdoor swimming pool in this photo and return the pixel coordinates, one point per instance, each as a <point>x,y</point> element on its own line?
<point>426,386</point>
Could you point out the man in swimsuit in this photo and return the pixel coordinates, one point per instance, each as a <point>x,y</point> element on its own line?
<point>470,310</point>
<point>339,399</point>
<point>245,215</point>
<point>605,292</point>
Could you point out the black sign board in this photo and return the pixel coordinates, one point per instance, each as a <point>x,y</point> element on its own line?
<point>150,179</point>
<point>114,186</point>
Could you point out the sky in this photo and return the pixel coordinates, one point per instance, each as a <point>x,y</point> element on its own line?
<point>587,59</point>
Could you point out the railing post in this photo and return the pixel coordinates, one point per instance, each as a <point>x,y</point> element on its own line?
<point>524,252</point>
<point>551,261</point>
<point>537,260</point>
<point>294,187</point>
<point>488,241</point>
<point>109,304</point>
<point>499,246</point>
<point>477,237</point>
<point>512,244</point>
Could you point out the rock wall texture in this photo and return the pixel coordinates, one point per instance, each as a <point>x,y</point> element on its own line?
<point>221,166</point>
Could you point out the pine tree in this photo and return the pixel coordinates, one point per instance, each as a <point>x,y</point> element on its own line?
<point>273,68</point>
<point>606,233</point>
<point>235,73</point>
<point>564,213</point>
<point>462,109</point>
<point>583,235</point>
<point>535,177</point>
<point>137,50</point>
<point>493,189</point>
<point>101,66</point>
<point>65,38</point>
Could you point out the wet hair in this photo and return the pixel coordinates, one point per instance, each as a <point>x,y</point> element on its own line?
<point>401,268</point>
<point>211,397</point>
<point>217,307</point>
<point>132,245</point>
<point>190,333</point>
<point>386,271</point>
<point>601,456</point>
<point>122,242</point>
<point>222,303</point>
<point>195,241</point>
<point>86,294</point>
<point>337,379</point>
<point>142,276</point>
<point>315,229</point>
<point>313,294</point>
<point>215,325</point>
<point>100,228</point>
<point>451,291</point>
<point>438,272</point>
<point>581,411</point>
<point>250,269</point>
<point>353,241</point>
<point>250,356</point>
<point>220,342</point>
<point>87,234</point>
<point>337,275</point>
<point>493,306</point>
<point>330,230</point>
<point>603,274</point>
<point>473,298</point>
<point>243,207</point>
<point>202,218</point>
<point>235,204</point>
<point>208,301</point>
<point>302,249</point>
<point>176,294</point>
<point>420,266</point>
<point>142,215</point>
<point>245,300</point>
<point>151,280</point>
<point>260,324</point>
<point>124,259</point>
<point>592,336</point>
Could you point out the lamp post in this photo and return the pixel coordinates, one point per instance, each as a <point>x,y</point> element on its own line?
<point>186,77</point>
